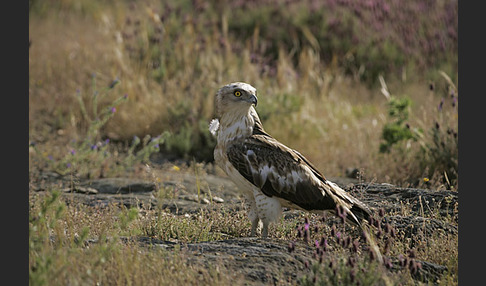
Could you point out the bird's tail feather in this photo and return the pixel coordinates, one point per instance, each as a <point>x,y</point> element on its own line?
<point>358,212</point>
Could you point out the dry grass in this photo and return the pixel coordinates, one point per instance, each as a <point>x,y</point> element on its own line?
<point>332,119</point>
<point>75,244</point>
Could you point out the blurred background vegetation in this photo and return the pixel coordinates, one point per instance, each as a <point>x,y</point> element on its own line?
<point>103,74</point>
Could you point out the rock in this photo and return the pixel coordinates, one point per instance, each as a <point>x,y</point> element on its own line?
<point>120,186</point>
<point>267,261</point>
<point>255,258</point>
<point>427,272</point>
<point>218,200</point>
<point>259,260</point>
<point>80,190</point>
<point>393,198</point>
<point>412,226</point>
<point>352,173</point>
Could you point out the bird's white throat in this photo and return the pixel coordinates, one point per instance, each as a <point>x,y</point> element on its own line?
<point>235,126</point>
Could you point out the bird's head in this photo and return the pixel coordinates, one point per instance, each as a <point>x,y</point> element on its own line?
<point>235,97</point>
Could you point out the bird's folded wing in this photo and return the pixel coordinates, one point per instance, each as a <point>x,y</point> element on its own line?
<point>282,172</point>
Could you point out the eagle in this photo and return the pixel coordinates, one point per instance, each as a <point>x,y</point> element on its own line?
<point>269,174</point>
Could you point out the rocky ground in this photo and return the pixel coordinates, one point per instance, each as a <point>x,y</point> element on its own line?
<point>254,257</point>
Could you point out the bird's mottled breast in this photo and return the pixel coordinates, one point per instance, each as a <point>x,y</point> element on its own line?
<point>233,130</point>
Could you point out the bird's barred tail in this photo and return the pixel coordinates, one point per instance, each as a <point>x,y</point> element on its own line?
<point>360,212</point>
<point>357,213</point>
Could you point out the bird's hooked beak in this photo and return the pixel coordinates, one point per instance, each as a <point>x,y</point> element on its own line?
<point>253,99</point>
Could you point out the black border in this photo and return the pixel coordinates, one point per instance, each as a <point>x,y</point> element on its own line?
<point>472,170</point>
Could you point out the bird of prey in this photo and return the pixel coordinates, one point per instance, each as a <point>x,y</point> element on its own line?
<point>269,174</point>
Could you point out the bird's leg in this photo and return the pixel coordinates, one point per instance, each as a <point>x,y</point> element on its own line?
<point>265,230</point>
<point>252,214</point>
<point>254,225</point>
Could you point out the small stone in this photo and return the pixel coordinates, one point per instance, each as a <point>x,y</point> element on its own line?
<point>218,200</point>
<point>81,190</point>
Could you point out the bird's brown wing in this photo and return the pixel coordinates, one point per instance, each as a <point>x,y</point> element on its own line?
<point>284,173</point>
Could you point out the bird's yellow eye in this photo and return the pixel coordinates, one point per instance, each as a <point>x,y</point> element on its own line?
<point>237,93</point>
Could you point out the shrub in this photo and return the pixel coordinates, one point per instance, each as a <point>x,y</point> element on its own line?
<point>437,155</point>
<point>397,129</point>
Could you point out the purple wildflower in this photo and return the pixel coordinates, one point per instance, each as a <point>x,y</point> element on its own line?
<point>338,211</point>
<point>324,217</point>
<point>113,83</point>
<point>299,232</point>
<point>113,109</point>
<point>413,266</point>
<point>371,254</point>
<point>387,262</point>
<point>411,253</point>
<point>348,242</point>
<point>355,246</point>
<point>379,233</point>
<point>351,261</point>
<point>439,108</point>
<point>324,244</point>
<point>306,235</point>
<point>401,260</point>
<point>291,246</point>
<point>381,212</point>
<point>341,213</point>
<point>352,275</point>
